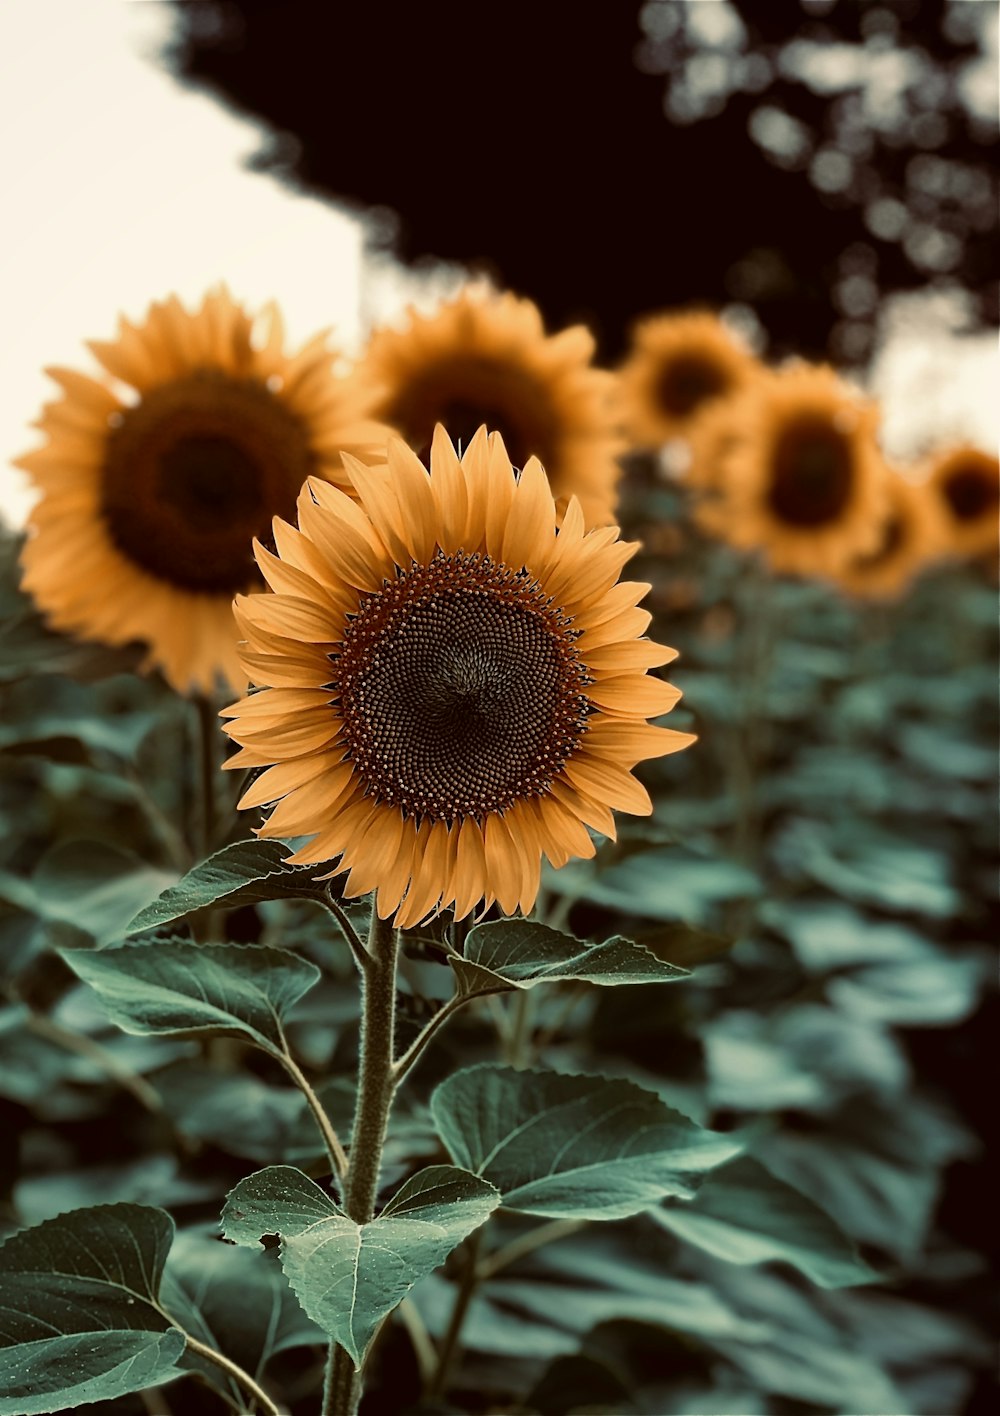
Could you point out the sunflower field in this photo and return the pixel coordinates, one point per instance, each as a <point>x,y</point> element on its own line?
<point>497,877</point>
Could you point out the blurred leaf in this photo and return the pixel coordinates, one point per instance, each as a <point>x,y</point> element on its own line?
<point>940,989</point>
<point>873,867</point>
<point>348,1277</point>
<point>580,1383</point>
<point>243,1115</point>
<point>82,1320</point>
<point>519,953</point>
<point>244,873</point>
<point>573,1147</point>
<point>173,986</point>
<point>805,1058</point>
<point>145,1180</point>
<point>90,885</point>
<point>672,884</point>
<point>744,1215</point>
<point>238,1302</point>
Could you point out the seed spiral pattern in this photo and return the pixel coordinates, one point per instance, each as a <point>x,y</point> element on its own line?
<point>461,689</point>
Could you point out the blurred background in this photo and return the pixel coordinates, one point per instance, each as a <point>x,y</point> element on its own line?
<point>822,170</point>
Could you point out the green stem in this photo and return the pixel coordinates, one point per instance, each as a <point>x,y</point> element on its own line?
<point>527,1244</point>
<point>331,1140</point>
<point>376,1087</point>
<point>244,1379</point>
<point>414,1052</point>
<point>466,1293</point>
<point>346,928</point>
<point>94,1051</point>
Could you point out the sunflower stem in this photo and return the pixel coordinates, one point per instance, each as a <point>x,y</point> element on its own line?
<point>376,1088</point>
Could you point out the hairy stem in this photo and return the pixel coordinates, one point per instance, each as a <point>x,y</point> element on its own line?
<point>376,1087</point>
<point>357,948</point>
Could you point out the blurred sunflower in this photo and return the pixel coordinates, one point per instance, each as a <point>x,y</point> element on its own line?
<point>965,482</point>
<point>484,358</point>
<point>680,366</point>
<point>152,494</point>
<point>800,476</point>
<point>451,687</point>
<point>906,547</point>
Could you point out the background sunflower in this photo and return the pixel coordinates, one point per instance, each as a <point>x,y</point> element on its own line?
<point>965,486</point>
<point>154,485</point>
<point>801,478</point>
<point>484,358</point>
<point>679,366</point>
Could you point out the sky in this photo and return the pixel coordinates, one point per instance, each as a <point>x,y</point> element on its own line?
<point>123,186</point>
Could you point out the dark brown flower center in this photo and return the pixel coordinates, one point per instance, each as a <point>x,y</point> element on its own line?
<point>971,492</point>
<point>812,472</point>
<point>463,394</point>
<point>460,689</point>
<point>194,471</point>
<point>688,381</point>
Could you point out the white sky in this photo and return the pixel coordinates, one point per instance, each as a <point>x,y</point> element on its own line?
<point>122,186</point>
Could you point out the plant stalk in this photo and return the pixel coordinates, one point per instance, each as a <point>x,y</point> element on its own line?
<point>376,1087</point>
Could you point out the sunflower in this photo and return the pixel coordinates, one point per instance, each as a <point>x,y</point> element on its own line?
<point>680,366</point>
<point>154,486</point>
<point>907,544</point>
<point>800,474</point>
<point>450,687</point>
<point>484,358</point>
<point>965,482</point>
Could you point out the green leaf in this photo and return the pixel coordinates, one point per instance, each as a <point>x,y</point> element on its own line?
<point>173,986</point>
<point>93,886</point>
<point>571,1147</point>
<point>238,1302</point>
<point>744,1215</point>
<point>81,1317</point>
<point>244,873</point>
<point>348,1277</point>
<point>520,953</point>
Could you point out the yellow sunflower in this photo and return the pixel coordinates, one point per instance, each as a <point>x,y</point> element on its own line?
<point>906,546</point>
<point>154,485</point>
<point>484,358</point>
<point>965,484</point>
<point>680,366</point>
<point>451,687</point>
<point>800,475</point>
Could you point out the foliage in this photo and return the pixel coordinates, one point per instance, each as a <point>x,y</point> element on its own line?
<point>752,1191</point>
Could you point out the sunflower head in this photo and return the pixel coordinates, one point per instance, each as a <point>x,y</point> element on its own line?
<point>450,686</point>
<point>156,477</point>
<point>680,366</point>
<point>484,358</point>
<point>797,472</point>
<point>965,484</point>
<point>906,545</point>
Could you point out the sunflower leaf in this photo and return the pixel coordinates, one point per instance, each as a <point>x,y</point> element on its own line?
<point>82,1320</point>
<point>347,1276</point>
<point>519,953</point>
<point>176,987</point>
<point>572,1147</point>
<point>743,1214</point>
<point>244,873</point>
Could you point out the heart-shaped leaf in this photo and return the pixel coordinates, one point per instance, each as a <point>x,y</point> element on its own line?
<point>746,1216</point>
<point>347,1276</point>
<point>572,1147</point>
<point>244,873</point>
<point>519,953</point>
<point>81,1320</point>
<point>175,986</point>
